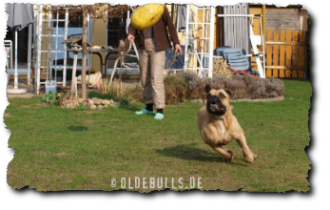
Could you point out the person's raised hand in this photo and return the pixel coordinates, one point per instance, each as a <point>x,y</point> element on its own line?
<point>130,38</point>
<point>178,50</point>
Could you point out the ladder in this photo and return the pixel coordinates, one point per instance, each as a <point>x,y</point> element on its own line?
<point>254,40</point>
<point>9,50</point>
<point>199,34</point>
<point>58,34</point>
<point>43,36</point>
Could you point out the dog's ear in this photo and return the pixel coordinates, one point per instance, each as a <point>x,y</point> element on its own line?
<point>229,93</point>
<point>207,88</point>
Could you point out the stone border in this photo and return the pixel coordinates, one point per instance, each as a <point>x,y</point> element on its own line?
<point>279,98</point>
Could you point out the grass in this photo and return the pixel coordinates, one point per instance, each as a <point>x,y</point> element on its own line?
<point>63,149</point>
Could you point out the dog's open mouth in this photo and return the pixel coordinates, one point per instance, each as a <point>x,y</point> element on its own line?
<point>216,109</point>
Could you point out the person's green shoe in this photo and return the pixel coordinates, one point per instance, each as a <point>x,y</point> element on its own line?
<point>159,116</point>
<point>144,111</point>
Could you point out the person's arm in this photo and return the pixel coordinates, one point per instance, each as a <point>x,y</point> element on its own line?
<point>131,33</point>
<point>170,27</point>
<point>172,31</point>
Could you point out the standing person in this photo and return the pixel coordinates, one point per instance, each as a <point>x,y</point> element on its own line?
<point>152,45</point>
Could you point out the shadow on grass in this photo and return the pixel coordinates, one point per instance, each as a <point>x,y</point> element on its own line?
<point>77,128</point>
<point>187,152</point>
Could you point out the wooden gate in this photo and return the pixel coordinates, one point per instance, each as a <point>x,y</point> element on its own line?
<point>285,53</point>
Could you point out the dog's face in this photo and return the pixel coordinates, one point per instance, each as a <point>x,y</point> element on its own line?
<point>217,100</point>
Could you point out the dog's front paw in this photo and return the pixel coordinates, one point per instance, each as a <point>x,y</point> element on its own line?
<point>231,156</point>
<point>250,158</point>
<point>255,156</point>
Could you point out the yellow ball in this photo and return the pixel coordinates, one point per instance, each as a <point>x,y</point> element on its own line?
<point>146,16</point>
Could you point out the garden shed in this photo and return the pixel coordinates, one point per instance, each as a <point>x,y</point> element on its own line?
<point>285,32</point>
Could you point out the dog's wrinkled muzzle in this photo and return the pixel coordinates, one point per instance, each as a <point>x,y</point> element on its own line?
<point>215,106</point>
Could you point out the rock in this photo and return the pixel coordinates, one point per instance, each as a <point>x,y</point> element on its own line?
<point>65,100</point>
<point>111,101</point>
<point>100,106</point>
<point>105,102</point>
<point>90,102</point>
<point>96,101</point>
<point>71,106</point>
<point>68,105</point>
<point>106,106</point>
<point>92,106</point>
<point>85,103</point>
<point>80,100</point>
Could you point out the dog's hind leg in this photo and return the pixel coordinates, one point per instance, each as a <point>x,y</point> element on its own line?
<point>228,155</point>
<point>249,156</point>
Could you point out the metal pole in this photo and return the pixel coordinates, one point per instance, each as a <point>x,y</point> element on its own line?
<point>49,66</point>
<point>196,40</point>
<point>177,17</point>
<point>39,29</point>
<point>211,42</point>
<point>56,47</point>
<point>15,74</point>
<point>235,15</point>
<point>29,55</point>
<point>65,47</point>
<point>128,20</point>
<point>187,38</point>
<point>49,53</point>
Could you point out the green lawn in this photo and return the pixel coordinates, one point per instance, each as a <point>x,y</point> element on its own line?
<point>63,149</point>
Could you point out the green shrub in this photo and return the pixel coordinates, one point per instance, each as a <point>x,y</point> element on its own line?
<point>187,86</point>
<point>53,99</point>
<point>176,88</point>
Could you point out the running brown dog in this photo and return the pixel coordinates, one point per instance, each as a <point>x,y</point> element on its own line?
<point>218,126</point>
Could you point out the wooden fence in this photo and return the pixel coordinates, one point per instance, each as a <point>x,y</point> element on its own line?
<point>285,53</point>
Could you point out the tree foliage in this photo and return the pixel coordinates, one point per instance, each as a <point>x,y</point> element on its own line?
<point>96,11</point>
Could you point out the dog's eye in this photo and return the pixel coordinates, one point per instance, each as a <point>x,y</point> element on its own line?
<point>222,95</point>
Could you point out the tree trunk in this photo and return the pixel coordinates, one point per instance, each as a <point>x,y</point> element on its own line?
<point>73,80</point>
<point>84,55</point>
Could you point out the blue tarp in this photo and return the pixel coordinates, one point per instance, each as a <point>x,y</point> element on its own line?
<point>178,62</point>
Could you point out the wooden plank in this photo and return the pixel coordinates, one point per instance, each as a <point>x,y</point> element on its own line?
<point>255,10</point>
<point>281,16</point>
<point>282,67</point>
<point>302,55</point>
<point>288,54</point>
<point>277,19</point>
<point>303,20</point>
<point>297,43</point>
<point>279,27</point>
<point>269,57</point>
<point>217,31</point>
<point>281,23</point>
<point>278,11</point>
<point>275,53</point>
<point>281,12</point>
<point>282,53</point>
<point>256,26</point>
<point>263,23</point>
<point>295,58</point>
